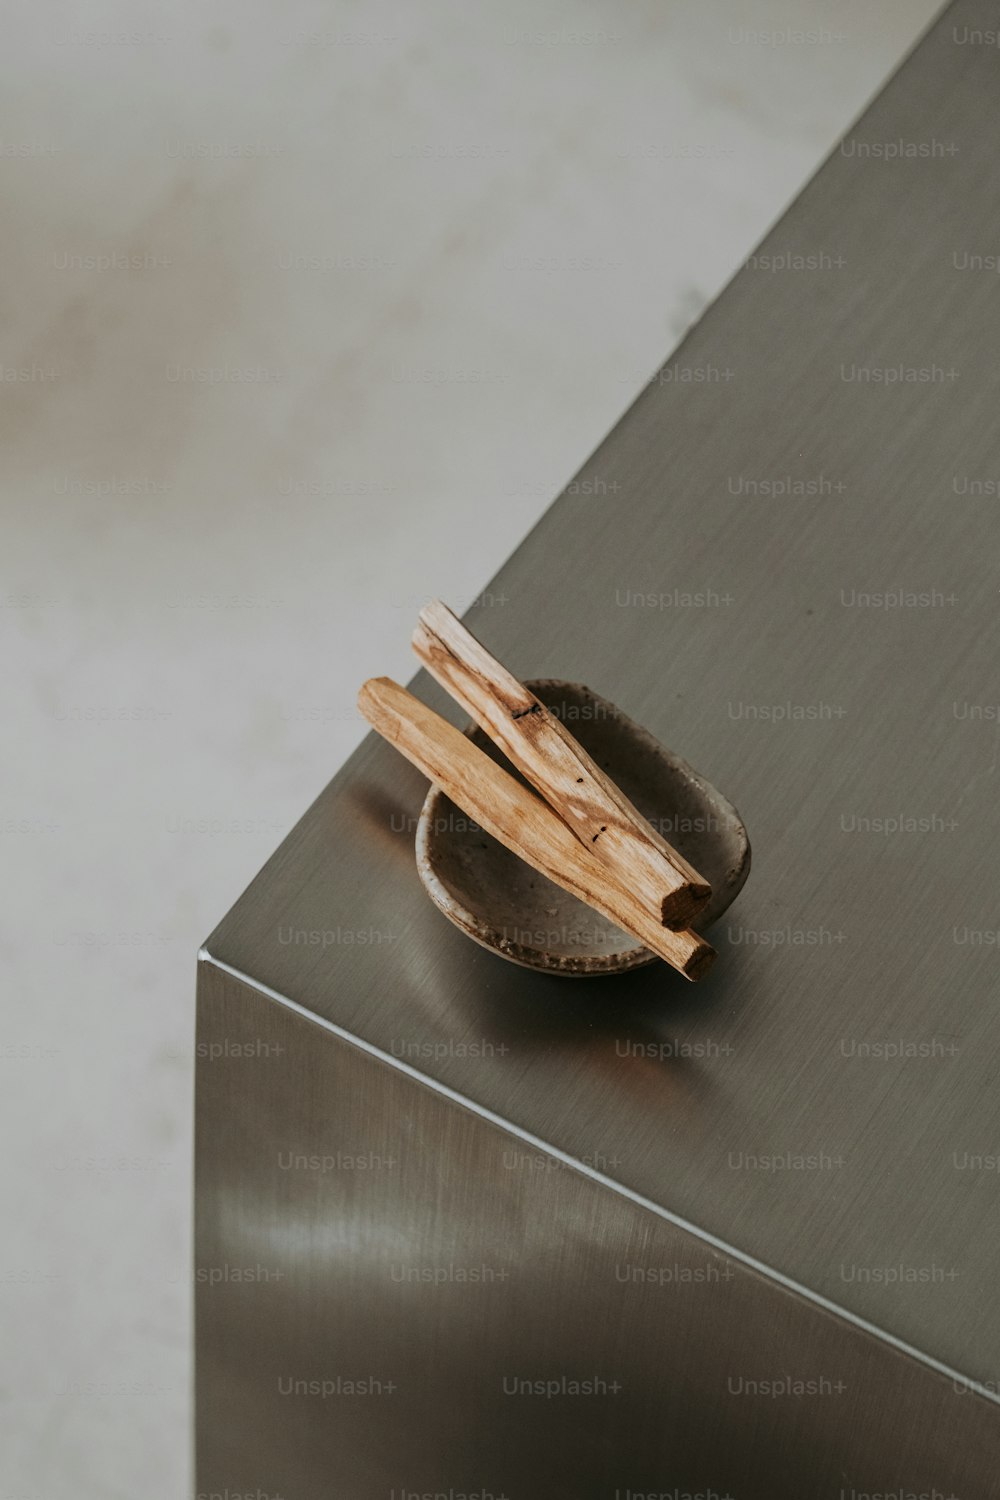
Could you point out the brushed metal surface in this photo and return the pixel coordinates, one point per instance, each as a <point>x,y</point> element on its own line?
<point>765,1107</point>
<point>352,1360</point>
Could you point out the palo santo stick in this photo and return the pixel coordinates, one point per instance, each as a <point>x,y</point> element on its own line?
<point>587,800</point>
<point>520,820</point>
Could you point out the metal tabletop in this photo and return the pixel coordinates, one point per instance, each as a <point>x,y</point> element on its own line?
<point>785,566</point>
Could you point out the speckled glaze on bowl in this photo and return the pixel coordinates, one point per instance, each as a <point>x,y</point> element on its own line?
<point>500,902</point>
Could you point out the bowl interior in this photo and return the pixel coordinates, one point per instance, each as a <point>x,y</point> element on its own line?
<point>501,902</point>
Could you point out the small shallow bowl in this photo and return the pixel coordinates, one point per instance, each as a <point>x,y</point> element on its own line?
<point>502,903</point>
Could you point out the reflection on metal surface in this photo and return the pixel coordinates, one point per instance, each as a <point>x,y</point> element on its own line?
<point>448,1307</point>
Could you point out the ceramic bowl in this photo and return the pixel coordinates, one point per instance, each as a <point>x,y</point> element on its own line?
<point>500,902</point>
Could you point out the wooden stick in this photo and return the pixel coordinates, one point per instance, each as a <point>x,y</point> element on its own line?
<point>520,820</point>
<point>556,764</point>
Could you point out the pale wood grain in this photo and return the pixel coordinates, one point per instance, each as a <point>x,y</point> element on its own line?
<point>518,819</point>
<point>556,764</point>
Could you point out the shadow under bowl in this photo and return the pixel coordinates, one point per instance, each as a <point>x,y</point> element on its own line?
<point>505,905</point>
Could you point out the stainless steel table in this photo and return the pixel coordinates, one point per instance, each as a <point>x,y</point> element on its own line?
<point>463,1228</point>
